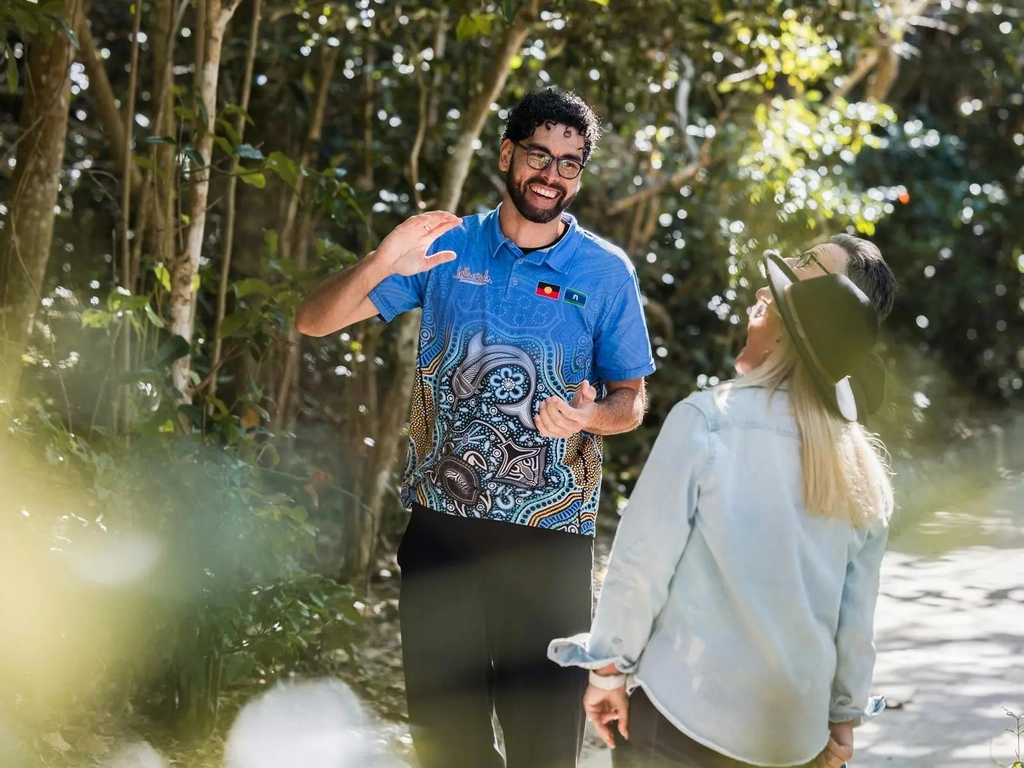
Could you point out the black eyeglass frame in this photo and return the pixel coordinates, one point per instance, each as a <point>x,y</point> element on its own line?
<point>545,160</point>
<point>806,258</point>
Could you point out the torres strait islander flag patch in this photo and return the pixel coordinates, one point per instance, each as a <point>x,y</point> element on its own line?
<point>572,296</point>
<point>549,290</point>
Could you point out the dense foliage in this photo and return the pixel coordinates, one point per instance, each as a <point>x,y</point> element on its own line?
<point>253,472</point>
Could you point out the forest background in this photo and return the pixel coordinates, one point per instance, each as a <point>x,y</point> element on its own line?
<point>197,502</point>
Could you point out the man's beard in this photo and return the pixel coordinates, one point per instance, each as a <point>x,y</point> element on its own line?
<point>519,194</point>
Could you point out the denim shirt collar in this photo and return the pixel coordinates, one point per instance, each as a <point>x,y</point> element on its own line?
<point>559,256</point>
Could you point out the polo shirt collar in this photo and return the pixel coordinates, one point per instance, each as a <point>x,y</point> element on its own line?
<point>559,256</point>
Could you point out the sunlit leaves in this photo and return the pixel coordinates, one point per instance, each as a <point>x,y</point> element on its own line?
<point>804,151</point>
<point>254,178</point>
<point>473,24</point>
<point>282,165</point>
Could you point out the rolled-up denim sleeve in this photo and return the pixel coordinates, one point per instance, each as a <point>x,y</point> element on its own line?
<point>649,543</point>
<point>855,646</point>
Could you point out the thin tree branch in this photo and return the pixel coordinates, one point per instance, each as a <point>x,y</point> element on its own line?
<point>102,94</point>
<point>126,200</point>
<point>457,168</point>
<point>229,219</point>
<point>864,66</point>
<point>681,176</point>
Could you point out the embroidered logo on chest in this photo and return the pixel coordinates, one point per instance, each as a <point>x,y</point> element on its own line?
<point>463,275</point>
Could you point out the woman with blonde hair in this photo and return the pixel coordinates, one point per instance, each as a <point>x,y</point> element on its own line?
<point>739,600</point>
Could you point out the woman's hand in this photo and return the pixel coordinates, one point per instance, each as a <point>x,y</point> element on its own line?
<point>839,749</point>
<point>602,707</point>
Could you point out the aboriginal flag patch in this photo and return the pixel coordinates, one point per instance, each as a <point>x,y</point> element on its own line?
<point>549,290</point>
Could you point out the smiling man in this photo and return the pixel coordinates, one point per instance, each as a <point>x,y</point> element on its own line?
<point>533,345</point>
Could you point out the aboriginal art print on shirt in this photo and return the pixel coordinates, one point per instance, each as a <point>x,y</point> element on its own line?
<point>477,451</point>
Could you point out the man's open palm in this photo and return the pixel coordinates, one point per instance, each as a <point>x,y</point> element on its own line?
<point>405,249</point>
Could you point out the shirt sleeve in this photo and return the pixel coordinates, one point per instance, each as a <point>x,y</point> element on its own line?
<point>855,647</point>
<point>622,348</point>
<point>649,543</point>
<point>397,294</point>
<point>400,293</point>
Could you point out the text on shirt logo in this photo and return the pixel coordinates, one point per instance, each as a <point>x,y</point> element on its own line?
<point>473,278</point>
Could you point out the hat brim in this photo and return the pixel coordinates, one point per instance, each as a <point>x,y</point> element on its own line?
<point>840,397</point>
<point>869,386</point>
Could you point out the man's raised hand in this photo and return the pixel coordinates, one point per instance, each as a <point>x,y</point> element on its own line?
<point>404,250</point>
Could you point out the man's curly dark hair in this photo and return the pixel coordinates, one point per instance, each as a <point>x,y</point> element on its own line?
<point>557,106</point>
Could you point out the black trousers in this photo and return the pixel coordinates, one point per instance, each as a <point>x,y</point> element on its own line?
<point>655,743</point>
<point>480,602</point>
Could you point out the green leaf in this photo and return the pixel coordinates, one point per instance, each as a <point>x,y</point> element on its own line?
<point>286,168</point>
<point>203,114</point>
<point>601,2</point>
<point>96,318</point>
<point>27,22</point>
<point>63,26</point>
<point>467,27</point>
<point>248,152</point>
<point>233,323</point>
<point>144,162</point>
<point>230,132</point>
<point>12,71</point>
<point>509,8</point>
<point>234,109</point>
<point>251,285</point>
<point>194,157</point>
<point>196,282</point>
<point>163,276</point>
<point>255,178</point>
<point>194,413</point>
<point>173,349</point>
<point>154,318</point>
<point>224,144</point>
<point>160,140</point>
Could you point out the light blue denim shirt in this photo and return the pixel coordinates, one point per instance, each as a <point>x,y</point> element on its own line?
<point>747,620</point>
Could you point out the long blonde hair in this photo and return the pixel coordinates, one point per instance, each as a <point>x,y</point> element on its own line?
<point>845,468</point>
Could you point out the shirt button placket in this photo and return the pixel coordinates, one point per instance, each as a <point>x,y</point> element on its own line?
<point>513,280</point>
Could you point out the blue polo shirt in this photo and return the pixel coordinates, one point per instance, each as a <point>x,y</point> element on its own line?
<point>501,332</point>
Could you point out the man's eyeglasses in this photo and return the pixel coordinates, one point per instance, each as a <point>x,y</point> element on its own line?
<point>539,160</point>
<point>806,259</point>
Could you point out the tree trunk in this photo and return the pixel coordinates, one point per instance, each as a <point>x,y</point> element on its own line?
<point>28,231</point>
<point>164,178</point>
<point>186,267</point>
<point>284,410</point>
<point>394,415</point>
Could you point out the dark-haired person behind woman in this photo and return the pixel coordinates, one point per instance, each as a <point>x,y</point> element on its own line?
<point>739,600</point>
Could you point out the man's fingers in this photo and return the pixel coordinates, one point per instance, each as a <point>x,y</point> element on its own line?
<point>585,395</point>
<point>441,257</point>
<point>434,223</point>
<point>558,416</point>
